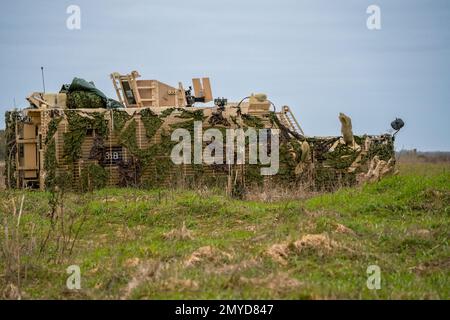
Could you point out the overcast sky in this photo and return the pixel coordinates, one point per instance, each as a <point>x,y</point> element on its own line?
<point>316,56</point>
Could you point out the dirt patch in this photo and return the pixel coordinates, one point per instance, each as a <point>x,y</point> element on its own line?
<point>179,234</point>
<point>319,244</point>
<point>207,254</point>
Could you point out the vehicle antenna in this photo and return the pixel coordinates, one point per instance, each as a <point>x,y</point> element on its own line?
<point>43,79</point>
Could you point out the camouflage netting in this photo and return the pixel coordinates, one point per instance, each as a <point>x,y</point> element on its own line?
<point>84,95</point>
<point>79,125</point>
<point>11,117</point>
<point>338,164</point>
<point>93,176</point>
<point>80,100</point>
<point>129,173</point>
<point>320,163</point>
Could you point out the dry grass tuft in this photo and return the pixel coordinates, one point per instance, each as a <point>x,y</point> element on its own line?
<point>207,254</point>
<point>279,252</point>
<point>145,272</point>
<point>319,244</point>
<point>340,228</point>
<point>420,233</point>
<point>279,282</point>
<point>11,292</point>
<point>132,262</point>
<point>274,193</point>
<point>175,284</point>
<point>179,234</point>
<point>431,266</point>
<point>238,267</point>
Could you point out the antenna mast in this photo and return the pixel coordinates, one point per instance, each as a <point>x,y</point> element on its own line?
<point>43,79</point>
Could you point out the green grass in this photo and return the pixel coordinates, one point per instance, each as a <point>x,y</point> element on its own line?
<point>401,224</point>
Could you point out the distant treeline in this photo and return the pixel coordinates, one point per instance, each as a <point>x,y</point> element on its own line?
<point>419,156</point>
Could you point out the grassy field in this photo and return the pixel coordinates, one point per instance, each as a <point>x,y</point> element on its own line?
<point>163,244</point>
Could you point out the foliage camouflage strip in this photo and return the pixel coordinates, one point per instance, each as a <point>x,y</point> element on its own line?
<point>319,163</point>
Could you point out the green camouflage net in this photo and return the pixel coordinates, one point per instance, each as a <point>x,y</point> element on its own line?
<point>93,177</point>
<point>321,163</point>
<point>84,100</point>
<point>78,127</point>
<point>11,117</point>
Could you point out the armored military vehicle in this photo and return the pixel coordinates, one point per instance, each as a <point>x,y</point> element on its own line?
<point>80,139</point>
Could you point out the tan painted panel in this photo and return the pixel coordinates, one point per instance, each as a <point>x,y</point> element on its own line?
<point>50,98</point>
<point>30,157</point>
<point>145,93</point>
<point>29,131</point>
<point>29,174</point>
<point>207,89</point>
<point>198,90</point>
<point>61,100</point>
<point>166,95</point>
<point>144,83</point>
